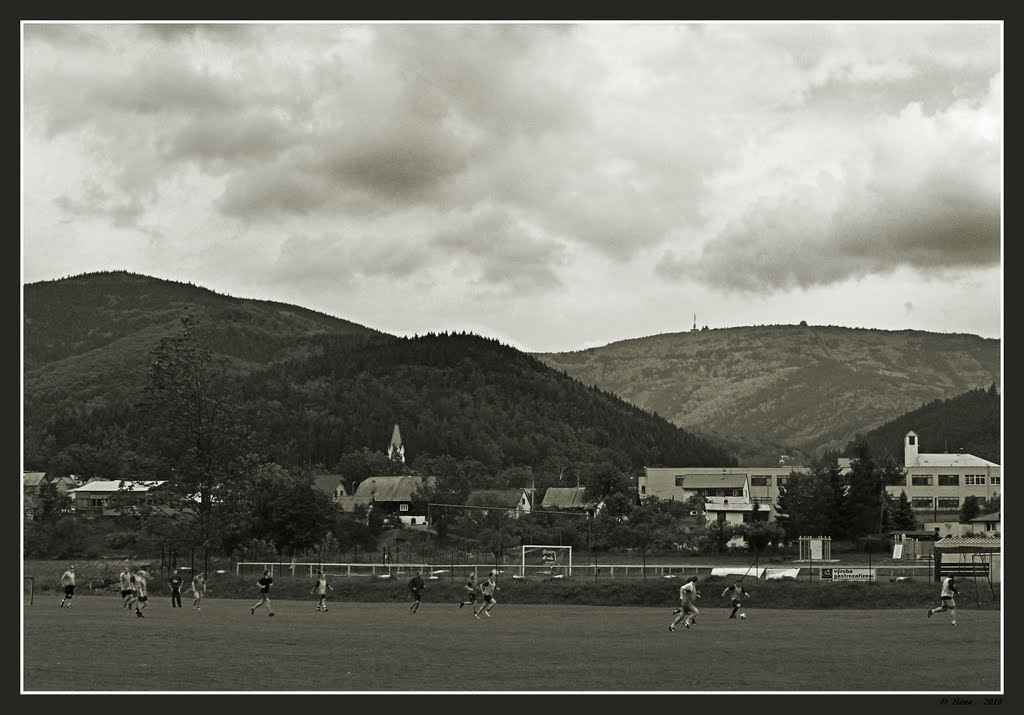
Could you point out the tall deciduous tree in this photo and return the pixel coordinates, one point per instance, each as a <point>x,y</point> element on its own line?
<point>288,509</point>
<point>198,431</point>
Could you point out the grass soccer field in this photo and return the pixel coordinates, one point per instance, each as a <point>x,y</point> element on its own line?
<point>98,646</point>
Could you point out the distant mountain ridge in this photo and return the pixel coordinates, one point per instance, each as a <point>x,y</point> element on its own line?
<point>769,389</point>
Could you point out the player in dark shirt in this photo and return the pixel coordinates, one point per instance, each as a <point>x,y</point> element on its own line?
<point>264,584</point>
<point>736,593</point>
<point>175,583</point>
<point>415,585</point>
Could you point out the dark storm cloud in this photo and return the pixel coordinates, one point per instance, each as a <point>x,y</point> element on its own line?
<point>253,137</point>
<point>939,224</point>
<point>268,190</point>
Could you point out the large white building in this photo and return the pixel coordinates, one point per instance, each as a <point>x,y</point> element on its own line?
<point>729,491</point>
<point>938,483</point>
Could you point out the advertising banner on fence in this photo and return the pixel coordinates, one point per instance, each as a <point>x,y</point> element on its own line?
<point>852,574</point>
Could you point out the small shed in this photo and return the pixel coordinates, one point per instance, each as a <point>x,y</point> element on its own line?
<point>969,557</point>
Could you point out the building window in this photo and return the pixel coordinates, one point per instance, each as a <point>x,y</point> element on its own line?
<point>949,502</point>
<point>643,488</point>
<point>760,481</point>
<point>781,481</point>
<point>923,480</point>
<point>971,479</point>
<point>989,526</point>
<point>995,480</point>
<point>403,507</point>
<point>679,481</point>
<point>921,502</point>
<point>949,480</point>
<point>761,500</point>
<point>910,440</point>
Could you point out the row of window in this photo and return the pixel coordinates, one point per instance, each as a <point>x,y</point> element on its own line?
<point>938,502</point>
<point>952,480</point>
<point>923,480</point>
<point>920,480</point>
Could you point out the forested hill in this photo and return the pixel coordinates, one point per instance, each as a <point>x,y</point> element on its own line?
<point>970,422</point>
<point>88,337</point>
<point>787,388</point>
<point>460,395</point>
<point>124,311</point>
<point>315,387</point>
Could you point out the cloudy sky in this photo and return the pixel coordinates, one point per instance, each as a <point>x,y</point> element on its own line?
<point>555,186</point>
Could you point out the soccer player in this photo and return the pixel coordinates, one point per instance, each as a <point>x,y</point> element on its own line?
<point>141,597</point>
<point>948,602</point>
<point>487,588</point>
<point>687,611</point>
<point>264,584</point>
<point>67,580</point>
<point>470,590</point>
<point>198,589</point>
<point>175,583</point>
<point>127,595</point>
<point>737,593</point>
<point>415,585</point>
<point>321,587</point>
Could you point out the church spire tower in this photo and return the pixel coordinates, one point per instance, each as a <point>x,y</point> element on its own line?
<point>396,450</point>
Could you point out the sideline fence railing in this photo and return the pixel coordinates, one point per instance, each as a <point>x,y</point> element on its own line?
<point>434,571</point>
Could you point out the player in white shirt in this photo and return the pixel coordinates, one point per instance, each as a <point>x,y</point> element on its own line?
<point>948,602</point>
<point>141,597</point>
<point>687,610</point>
<point>127,596</point>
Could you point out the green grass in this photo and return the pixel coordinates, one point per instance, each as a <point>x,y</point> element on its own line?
<point>97,646</point>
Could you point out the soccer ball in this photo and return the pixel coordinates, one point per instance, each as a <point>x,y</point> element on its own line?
<point>743,615</point>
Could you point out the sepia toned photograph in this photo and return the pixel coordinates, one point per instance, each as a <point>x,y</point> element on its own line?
<point>512,358</point>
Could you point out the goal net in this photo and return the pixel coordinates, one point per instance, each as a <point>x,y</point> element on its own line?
<point>546,560</point>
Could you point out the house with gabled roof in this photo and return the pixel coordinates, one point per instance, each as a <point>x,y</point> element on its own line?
<point>31,483</point>
<point>332,485</point>
<point>726,492</point>
<point>104,497</point>
<point>515,502</point>
<point>570,499</point>
<point>395,496</point>
<point>986,523</point>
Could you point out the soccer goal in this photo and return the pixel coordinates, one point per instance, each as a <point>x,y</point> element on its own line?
<point>545,560</point>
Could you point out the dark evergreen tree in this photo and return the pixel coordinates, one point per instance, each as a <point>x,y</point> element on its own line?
<point>970,509</point>
<point>903,517</point>
<point>806,506</point>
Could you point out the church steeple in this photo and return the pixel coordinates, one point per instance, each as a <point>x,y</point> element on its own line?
<point>396,451</point>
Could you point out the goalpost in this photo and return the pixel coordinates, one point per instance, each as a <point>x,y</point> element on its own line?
<point>546,560</point>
